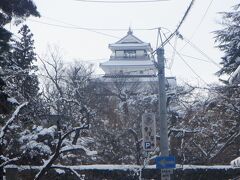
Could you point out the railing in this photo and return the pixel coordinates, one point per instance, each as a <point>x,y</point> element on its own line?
<point>130,172</point>
<point>128,75</point>
<point>145,57</point>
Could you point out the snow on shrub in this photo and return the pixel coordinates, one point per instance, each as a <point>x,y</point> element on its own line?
<point>36,148</point>
<point>235,162</point>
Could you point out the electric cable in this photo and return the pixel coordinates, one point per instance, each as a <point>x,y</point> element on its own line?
<point>159,36</point>
<point>173,54</point>
<point>200,51</point>
<point>199,24</point>
<point>122,2</point>
<point>179,25</point>
<point>74,27</point>
<point>94,30</point>
<point>185,62</point>
<point>199,59</point>
<point>106,29</point>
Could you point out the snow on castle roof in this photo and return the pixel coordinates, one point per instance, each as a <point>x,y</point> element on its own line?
<point>127,63</point>
<point>129,38</point>
<point>130,42</point>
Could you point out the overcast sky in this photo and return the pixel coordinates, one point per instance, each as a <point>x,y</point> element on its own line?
<point>88,45</point>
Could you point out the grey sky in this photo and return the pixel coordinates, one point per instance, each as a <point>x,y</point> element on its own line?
<point>87,45</point>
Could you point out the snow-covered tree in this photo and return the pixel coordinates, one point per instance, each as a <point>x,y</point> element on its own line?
<point>22,84</point>
<point>228,40</point>
<point>206,128</point>
<point>118,128</point>
<point>17,11</point>
<point>23,56</point>
<point>67,95</point>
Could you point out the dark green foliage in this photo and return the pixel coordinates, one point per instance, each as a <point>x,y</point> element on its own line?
<point>23,56</point>
<point>228,40</point>
<point>24,49</point>
<point>4,46</point>
<point>16,9</point>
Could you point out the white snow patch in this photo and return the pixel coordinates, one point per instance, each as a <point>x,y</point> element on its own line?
<point>203,167</point>
<point>10,121</point>
<point>48,131</point>
<point>235,162</point>
<point>120,167</point>
<point>60,171</point>
<point>78,147</point>
<point>12,100</point>
<point>33,145</point>
<point>235,76</point>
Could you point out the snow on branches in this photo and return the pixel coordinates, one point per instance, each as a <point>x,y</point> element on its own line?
<point>4,129</point>
<point>235,162</point>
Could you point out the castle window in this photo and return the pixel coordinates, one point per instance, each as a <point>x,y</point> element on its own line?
<point>119,53</point>
<point>130,53</point>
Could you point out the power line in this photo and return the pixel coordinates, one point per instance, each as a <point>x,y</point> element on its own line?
<point>121,2</point>
<point>159,36</point>
<point>203,60</point>
<point>74,27</point>
<point>107,29</point>
<point>185,62</point>
<point>203,17</point>
<point>94,30</point>
<point>174,54</point>
<point>200,51</point>
<point>179,25</point>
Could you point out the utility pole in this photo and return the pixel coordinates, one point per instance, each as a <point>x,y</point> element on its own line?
<point>162,103</point>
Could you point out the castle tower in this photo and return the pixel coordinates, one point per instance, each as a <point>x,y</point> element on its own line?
<point>131,62</point>
<point>130,57</point>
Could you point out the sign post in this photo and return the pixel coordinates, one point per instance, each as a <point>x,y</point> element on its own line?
<point>166,164</point>
<point>149,131</point>
<point>162,112</point>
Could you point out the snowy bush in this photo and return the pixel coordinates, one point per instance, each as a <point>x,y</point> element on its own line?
<point>235,162</point>
<point>37,144</point>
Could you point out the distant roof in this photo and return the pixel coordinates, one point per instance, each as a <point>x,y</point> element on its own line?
<point>128,63</point>
<point>129,46</point>
<point>130,42</point>
<point>129,38</point>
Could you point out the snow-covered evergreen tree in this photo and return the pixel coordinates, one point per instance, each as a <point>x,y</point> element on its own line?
<point>228,40</point>
<point>10,11</point>
<point>17,11</point>
<point>23,70</point>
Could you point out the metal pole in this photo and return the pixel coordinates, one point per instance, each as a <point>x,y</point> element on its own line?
<point>162,104</point>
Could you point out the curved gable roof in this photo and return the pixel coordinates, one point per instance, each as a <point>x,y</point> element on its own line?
<point>129,38</point>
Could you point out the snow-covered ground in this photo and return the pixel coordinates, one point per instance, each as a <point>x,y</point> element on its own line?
<point>128,167</point>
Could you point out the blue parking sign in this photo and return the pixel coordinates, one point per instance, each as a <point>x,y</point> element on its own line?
<point>165,162</point>
<point>147,145</point>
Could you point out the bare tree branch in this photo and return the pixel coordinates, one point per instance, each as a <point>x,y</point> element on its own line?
<point>10,121</point>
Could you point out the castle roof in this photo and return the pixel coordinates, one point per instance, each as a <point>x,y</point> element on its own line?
<point>129,38</point>
<point>130,42</point>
